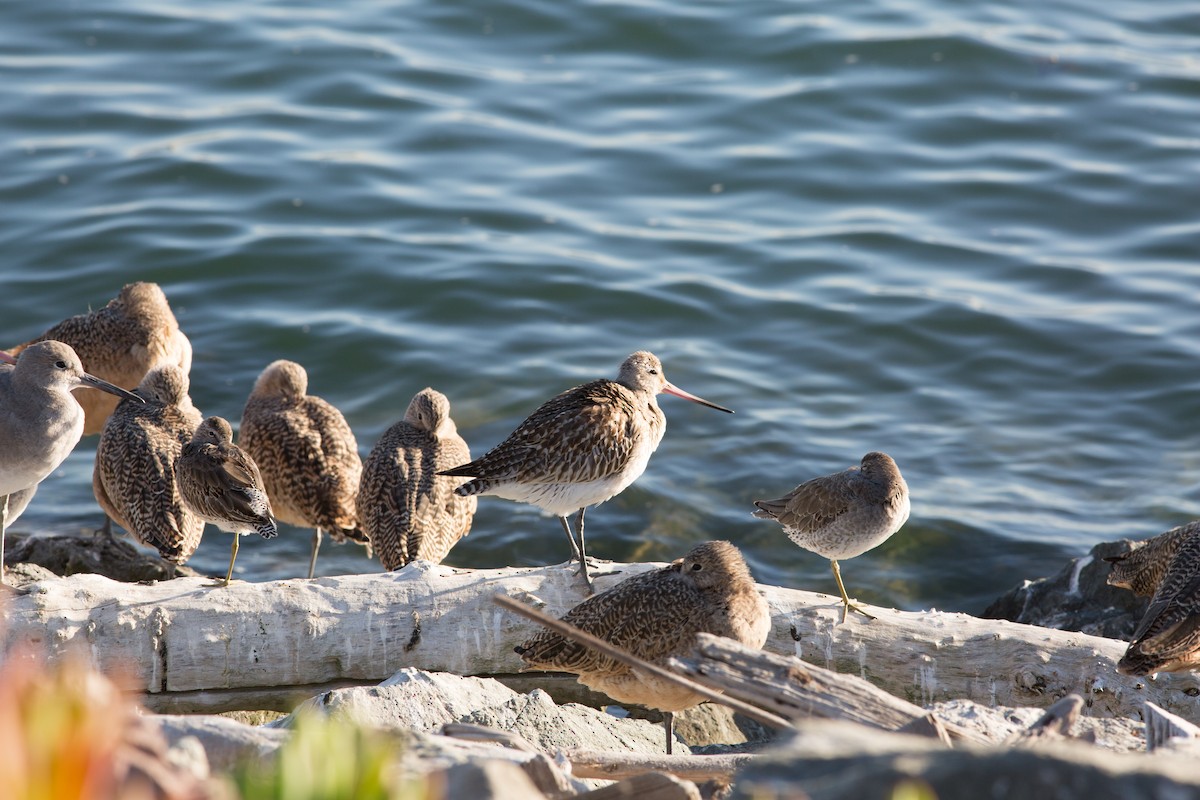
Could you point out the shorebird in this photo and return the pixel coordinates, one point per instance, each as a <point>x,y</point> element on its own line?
<point>40,421</point>
<point>307,455</point>
<point>405,507</point>
<point>655,616</point>
<point>134,476</point>
<point>580,448</point>
<point>120,343</point>
<point>845,514</point>
<point>1142,568</point>
<point>220,484</point>
<point>1168,637</point>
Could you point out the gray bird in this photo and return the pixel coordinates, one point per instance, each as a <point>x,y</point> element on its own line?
<point>120,342</point>
<point>845,514</point>
<point>307,454</point>
<point>220,484</point>
<point>655,616</point>
<point>134,476</point>
<point>406,508</point>
<point>40,420</point>
<point>581,447</point>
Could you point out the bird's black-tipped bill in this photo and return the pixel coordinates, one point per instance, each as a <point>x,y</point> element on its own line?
<point>93,382</point>
<point>675,390</point>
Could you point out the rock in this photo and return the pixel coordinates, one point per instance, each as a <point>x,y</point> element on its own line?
<point>225,741</point>
<point>99,554</point>
<point>1000,723</point>
<point>1077,598</point>
<point>485,780</point>
<point>828,760</point>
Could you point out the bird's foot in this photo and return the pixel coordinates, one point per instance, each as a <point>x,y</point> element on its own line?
<point>217,583</point>
<point>847,607</point>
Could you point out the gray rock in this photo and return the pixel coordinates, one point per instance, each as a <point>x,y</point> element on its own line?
<point>999,723</point>
<point>843,761</point>
<point>1076,598</point>
<point>111,557</point>
<point>485,780</point>
<point>225,741</point>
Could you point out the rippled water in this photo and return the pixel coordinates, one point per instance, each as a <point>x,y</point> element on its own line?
<point>966,235</point>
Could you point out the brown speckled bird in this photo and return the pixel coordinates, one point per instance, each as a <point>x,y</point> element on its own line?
<point>845,514</point>
<point>134,476</point>
<point>307,454</point>
<point>120,343</point>
<point>405,507</point>
<point>1142,568</point>
<point>655,616</point>
<point>1168,637</point>
<point>580,448</point>
<point>220,484</point>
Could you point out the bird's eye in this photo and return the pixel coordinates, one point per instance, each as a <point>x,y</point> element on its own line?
<point>60,364</point>
<point>1191,691</point>
<point>653,371</point>
<point>696,567</point>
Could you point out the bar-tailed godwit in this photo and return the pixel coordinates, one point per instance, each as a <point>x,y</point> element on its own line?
<point>845,514</point>
<point>134,476</point>
<point>307,455</point>
<point>405,507</point>
<point>1168,637</point>
<point>655,616</point>
<point>220,484</point>
<point>580,448</point>
<point>120,343</point>
<point>40,420</point>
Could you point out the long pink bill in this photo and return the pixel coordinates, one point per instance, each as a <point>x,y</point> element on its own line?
<point>5,358</point>
<point>675,390</point>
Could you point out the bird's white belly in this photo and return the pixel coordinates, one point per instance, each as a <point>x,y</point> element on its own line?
<point>852,534</point>
<point>565,498</point>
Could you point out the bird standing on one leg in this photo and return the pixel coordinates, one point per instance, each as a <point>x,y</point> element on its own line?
<point>40,420</point>
<point>845,514</point>
<point>656,616</point>
<point>307,454</point>
<point>405,507</point>
<point>580,448</point>
<point>220,484</point>
<point>134,475</point>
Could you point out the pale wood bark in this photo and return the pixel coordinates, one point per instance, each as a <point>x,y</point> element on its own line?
<point>616,766</point>
<point>239,643</point>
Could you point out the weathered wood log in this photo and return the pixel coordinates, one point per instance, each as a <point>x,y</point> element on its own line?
<point>228,645</point>
<point>1163,727</point>
<point>647,786</point>
<point>1056,723</point>
<point>790,688</point>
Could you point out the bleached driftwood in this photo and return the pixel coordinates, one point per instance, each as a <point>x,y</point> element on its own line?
<point>615,766</point>
<point>182,642</point>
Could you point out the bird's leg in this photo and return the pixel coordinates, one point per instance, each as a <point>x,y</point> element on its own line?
<point>669,727</point>
<point>3,527</point>
<point>170,571</point>
<point>583,565</point>
<point>106,529</point>
<point>312,562</point>
<point>846,604</point>
<point>571,538</point>
<point>232,558</point>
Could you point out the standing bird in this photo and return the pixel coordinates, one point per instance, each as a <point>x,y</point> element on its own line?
<point>656,616</point>
<point>580,448</point>
<point>307,453</point>
<point>407,509</point>
<point>220,484</point>
<point>1142,568</point>
<point>845,514</point>
<point>120,343</point>
<point>134,476</point>
<point>40,421</point>
<point>1168,637</point>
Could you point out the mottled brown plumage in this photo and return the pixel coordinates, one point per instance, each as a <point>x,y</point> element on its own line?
<point>405,507</point>
<point>307,454</point>
<point>845,514</point>
<point>656,615</point>
<point>120,343</point>
<point>580,448</point>
<point>134,475</point>
<point>1168,637</point>
<point>1142,568</point>
<point>220,484</point>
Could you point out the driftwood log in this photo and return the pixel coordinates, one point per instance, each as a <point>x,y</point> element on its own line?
<point>190,647</point>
